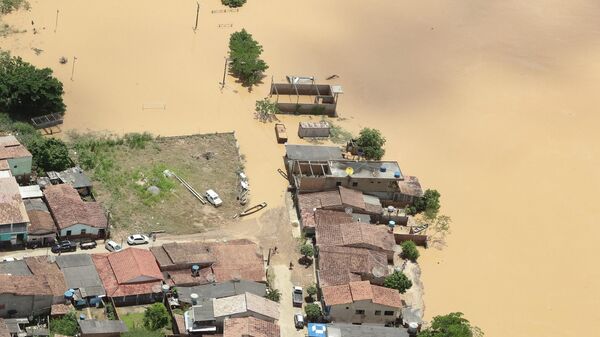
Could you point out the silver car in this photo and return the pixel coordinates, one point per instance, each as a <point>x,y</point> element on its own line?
<point>112,246</point>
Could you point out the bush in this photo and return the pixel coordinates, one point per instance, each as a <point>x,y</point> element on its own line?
<point>111,314</point>
<point>26,91</point>
<point>49,154</point>
<point>266,110</point>
<point>233,3</point>
<point>307,250</point>
<point>244,53</point>
<point>156,317</point>
<point>273,295</point>
<point>66,325</point>
<point>7,6</point>
<point>313,312</point>
<point>371,142</point>
<point>451,325</point>
<point>137,140</point>
<point>397,280</point>
<point>311,290</point>
<point>410,251</point>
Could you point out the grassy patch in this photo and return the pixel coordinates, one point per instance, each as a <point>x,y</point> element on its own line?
<point>133,320</point>
<point>144,180</point>
<point>339,135</point>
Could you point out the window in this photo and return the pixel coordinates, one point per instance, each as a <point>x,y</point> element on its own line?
<point>69,233</point>
<point>388,313</point>
<point>83,231</point>
<point>339,183</point>
<point>354,184</point>
<point>377,312</point>
<point>360,312</point>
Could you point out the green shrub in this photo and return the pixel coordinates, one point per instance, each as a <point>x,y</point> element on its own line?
<point>7,6</point>
<point>451,325</point>
<point>66,325</point>
<point>307,250</point>
<point>410,251</point>
<point>311,290</point>
<point>244,54</point>
<point>397,280</point>
<point>371,142</point>
<point>273,295</point>
<point>313,312</point>
<point>156,317</point>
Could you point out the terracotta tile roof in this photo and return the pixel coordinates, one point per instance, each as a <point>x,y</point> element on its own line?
<point>361,291</point>
<point>68,208</point>
<point>59,309</point>
<point>336,295</point>
<point>355,234</point>
<point>134,265</point>
<point>24,285</point>
<point>40,222</point>
<point>386,296</point>
<point>410,186</point>
<point>184,277</point>
<point>342,265</point>
<point>112,285</point>
<point>4,165</point>
<point>238,304</point>
<point>237,259</point>
<point>352,198</point>
<point>12,209</point>
<point>11,148</point>
<point>249,327</point>
<point>40,265</point>
<point>4,332</point>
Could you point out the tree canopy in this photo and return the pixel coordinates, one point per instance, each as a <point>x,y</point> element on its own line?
<point>49,154</point>
<point>429,204</point>
<point>397,280</point>
<point>233,3</point>
<point>66,325</point>
<point>26,91</point>
<point>273,295</point>
<point>307,250</point>
<point>371,142</point>
<point>156,317</point>
<point>451,325</point>
<point>313,312</point>
<point>244,54</point>
<point>410,251</point>
<point>311,290</point>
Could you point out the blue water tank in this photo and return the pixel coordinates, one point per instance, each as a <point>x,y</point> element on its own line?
<point>82,317</point>
<point>392,223</point>
<point>397,174</point>
<point>69,294</point>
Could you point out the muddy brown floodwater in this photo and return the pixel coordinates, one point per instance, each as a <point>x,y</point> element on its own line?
<point>494,103</point>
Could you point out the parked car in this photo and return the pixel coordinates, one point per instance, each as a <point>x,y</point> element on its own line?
<point>213,198</point>
<point>88,244</point>
<point>112,246</point>
<point>297,299</point>
<point>137,239</point>
<point>64,246</point>
<point>298,321</point>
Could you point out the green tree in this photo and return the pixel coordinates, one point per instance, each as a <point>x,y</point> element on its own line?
<point>156,317</point>
<point>451,325</point>
<point>141,332</point>
<point>244,54</point>
<point>371,142</point>
<point>7,6</point>
<point>26,91</point>
<point>311,290</point>
<point>397,280</point>
<point>273,295</point>
<point>410,251</point>
<point>66,325</point>
<point>233,3</point>
<point>307,250</point>
<point>313,312</point>
<point>266,110</point>
<point>429,204</point>
<point>49,154</point>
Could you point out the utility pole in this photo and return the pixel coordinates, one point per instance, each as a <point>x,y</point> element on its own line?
<point>197,12</point>
<point>56,23</point>
<point>224,73</point>
<point>73,69</point>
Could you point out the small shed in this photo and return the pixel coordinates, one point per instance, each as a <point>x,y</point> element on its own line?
<point>314,129</point>
<point>281,133</point>
<point>97,328</point>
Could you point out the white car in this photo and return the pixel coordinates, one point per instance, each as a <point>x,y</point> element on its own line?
<point>112,246</point>
<point>213,198</point>
<point>137,239</point>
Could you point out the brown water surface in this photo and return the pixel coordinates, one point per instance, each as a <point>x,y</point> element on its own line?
<point>493,103</point>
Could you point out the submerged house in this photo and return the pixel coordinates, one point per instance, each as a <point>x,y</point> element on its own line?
<point>361,303</point>
<point>130,276</point>
<point>74,217</point>
<point>13,215</point>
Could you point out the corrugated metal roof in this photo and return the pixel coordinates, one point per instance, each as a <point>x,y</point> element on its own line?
<point>29,192</point>
<point>312,152</point>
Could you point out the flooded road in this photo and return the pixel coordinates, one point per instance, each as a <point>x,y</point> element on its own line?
<point>492,103</point>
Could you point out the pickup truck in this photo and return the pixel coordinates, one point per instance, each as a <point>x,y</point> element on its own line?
<point>297,296</point>
<point>64,246</point>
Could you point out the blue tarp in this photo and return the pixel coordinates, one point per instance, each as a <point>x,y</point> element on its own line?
<point>317,330</point>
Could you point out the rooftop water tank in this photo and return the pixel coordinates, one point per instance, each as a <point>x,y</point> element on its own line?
<point>397,174</point>
<point>413,328</point>
<point>391,209</point>
<point>392,223</point>
<point>69,294</point>
<point>195,270</point>
<point>165,288</point>
<point>82,317</point>
<point>382,169</point>
<point>194,298</point>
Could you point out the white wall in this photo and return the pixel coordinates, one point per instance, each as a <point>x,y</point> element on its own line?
<point>339,313</point>
<point>76,230</point>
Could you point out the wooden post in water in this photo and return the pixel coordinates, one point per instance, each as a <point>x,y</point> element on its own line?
<point>56,23</point>
<point>73,69</point>
<point>197,12</point>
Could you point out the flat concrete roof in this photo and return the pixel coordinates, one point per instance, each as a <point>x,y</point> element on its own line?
<point>366,169</point>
